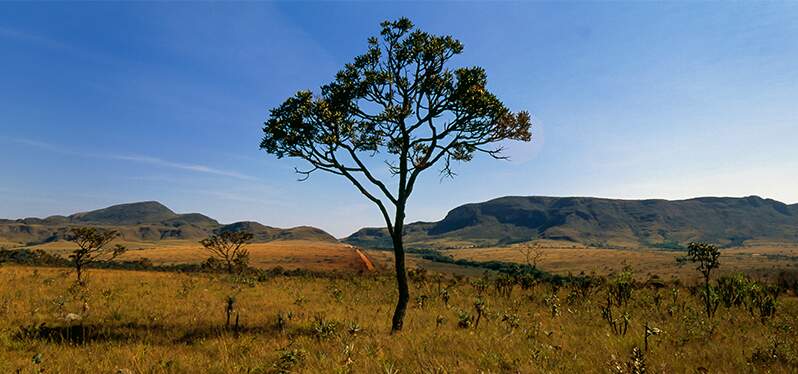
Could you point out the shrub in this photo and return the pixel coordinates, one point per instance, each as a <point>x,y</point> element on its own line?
<point>706,256</point>
<point>511,320</point>
<point>621,286</point>
<point>553,302</point>
<point>504,284</point>
<point>733,290</point>
<point>464,319</point>
<point>619,327</point>
<point>322,328</point>
<point>481,308</point>
<point>91,244</point>
<point>289,359</point>
<point>229,249</point>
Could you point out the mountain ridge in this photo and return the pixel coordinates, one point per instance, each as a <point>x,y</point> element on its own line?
<point>600,222</point>
<point>145,221</point>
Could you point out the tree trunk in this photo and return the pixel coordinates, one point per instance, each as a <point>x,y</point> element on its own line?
<point>78,269</point>
<point>401,280</point>
<point>707,300</point>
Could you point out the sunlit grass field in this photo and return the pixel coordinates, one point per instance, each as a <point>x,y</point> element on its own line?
<point>762,260</point>
<point>157,322</point>
<point>289,254</point>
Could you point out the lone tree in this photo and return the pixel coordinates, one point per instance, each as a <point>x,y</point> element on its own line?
<point>92,244</point>
<point>706,256</point>
<point>532,254</point>
<point>230,248</point>
<point>400,107</point>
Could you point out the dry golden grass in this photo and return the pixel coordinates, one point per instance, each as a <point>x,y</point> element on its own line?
<point>8,244</point>
<point>383,261</point>
<point>289,254</point>
<point>759,259</point>
<point>762,261</point>
<point>148,322</point>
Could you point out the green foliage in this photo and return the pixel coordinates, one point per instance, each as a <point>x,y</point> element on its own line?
<point>290,359</point>
<point>322,328</point>
<point>553,302</point>
<point>29,257</point>
<point>399,101</point>
<point>354,328</point>
<point>480,284</point>
<point>621,286</point>
<point>91,244</point>
<point>778,350</point>
<point>511,320</point>
<point>228,249</point>
<point>504,284</point>
<point>582,288</point>
<point>763,298</point>
<point>706,256</point>
<point>734,289</point>
<point>464,319</point>
<point>386,100</point>
<point>740,291</point>
<point>618,326</point>
<point>337,294</point>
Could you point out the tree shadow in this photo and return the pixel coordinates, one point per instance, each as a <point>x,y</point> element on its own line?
<point>79,334</point>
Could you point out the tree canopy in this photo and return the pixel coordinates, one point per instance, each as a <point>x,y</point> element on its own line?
<point>399,100</point>
<point>91,244</point>
<point>402,104</point>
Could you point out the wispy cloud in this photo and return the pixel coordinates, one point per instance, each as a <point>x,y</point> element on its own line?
<point>22,36</point>
<point>242,198</point>
<point>177,165</point>
<point>41,145</point>
<point>47,42</point>
<point>198,168</point>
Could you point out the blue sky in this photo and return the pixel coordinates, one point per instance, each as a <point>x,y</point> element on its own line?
<point>104,103</point>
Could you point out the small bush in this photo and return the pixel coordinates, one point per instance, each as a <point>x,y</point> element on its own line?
<point>322,328</point>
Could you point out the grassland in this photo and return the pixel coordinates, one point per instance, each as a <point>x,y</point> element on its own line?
<point>289,254</point>
<point>161,322</point>
<point>153,322</point>
<point>761,260</point>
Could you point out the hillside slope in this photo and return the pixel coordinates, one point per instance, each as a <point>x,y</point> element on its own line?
<point>144,221</point>
<point>601,222</point>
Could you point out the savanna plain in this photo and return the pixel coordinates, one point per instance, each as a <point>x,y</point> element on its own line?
<point>628,313</point>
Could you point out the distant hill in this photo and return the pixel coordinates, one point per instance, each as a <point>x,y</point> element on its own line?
<point>128,214</point>
<point>144,221</point>
<point>600,222</point>
<point>266,234</point>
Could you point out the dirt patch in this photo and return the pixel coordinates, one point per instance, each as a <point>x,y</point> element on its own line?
<point>366,261</point>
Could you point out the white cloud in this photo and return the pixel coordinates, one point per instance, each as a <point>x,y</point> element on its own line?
<point>176,165</point>
<point>198,168</point>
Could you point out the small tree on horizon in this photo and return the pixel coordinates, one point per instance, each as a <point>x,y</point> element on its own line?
<point>532,254</point>
<point>706,256</point>
<point>92,244</point>
<point>390,115</point>
<point>230,248</point>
